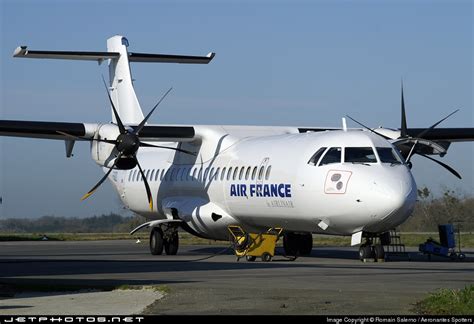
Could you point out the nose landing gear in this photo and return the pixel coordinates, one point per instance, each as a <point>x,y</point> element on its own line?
<point>369,251</point>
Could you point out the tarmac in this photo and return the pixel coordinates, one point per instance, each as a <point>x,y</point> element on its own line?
<point>208,280</point>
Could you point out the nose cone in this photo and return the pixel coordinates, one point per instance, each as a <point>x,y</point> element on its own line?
<point>394,198</point>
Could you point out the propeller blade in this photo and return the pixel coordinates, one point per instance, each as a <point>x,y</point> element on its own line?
<point>436,124</point>
<point>142,124</point>
<point>88,194</point>
<point>87,139</point>
<point>387,138</point>
<point>169,148</point>
<point>147,187</point>
<point>117,117</point>
<point>447,167</point>
<point>403,129</point>
<point>410,154</point>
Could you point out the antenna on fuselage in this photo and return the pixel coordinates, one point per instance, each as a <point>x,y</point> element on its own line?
<point>344,124</point>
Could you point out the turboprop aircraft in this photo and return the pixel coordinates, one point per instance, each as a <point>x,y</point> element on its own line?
<point>355,182</point>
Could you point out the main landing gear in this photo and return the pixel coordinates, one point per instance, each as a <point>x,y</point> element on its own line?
<point>297,244</point>
<point>368,251</point>
<point>164,236</point>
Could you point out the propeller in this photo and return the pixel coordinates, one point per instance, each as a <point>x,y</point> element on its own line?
<point>127,144</point>
<point>405,138</point>
<point>419,137</point>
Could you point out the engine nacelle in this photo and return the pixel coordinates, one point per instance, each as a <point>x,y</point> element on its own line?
<point>202,217</point>
<point>104,153</point>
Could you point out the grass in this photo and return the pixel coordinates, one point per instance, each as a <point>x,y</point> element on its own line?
<point>409,239</point>
<point>448,302</point>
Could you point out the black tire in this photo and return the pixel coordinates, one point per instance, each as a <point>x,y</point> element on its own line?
<point>290,244</point>
<point>156,241</point>
<point>266,257</point>
<point>251,258</point>
<point>379,253</point>
<point>305,243</point>
<point>461,256</point>
<point>172,245</point>
<point>365,252</point>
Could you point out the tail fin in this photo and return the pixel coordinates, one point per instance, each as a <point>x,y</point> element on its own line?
<point>121,86</point>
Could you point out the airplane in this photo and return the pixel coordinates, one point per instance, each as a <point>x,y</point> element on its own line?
<point>203,178</point>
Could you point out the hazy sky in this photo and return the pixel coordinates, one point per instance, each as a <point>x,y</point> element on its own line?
<point>302,63</point>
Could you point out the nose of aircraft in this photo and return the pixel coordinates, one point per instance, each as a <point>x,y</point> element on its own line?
<point>394,196</point>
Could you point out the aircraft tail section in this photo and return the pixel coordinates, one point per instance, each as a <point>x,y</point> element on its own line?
<point>121,84</point>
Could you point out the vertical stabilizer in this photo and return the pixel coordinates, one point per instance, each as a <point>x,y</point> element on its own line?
<point>121,86</point>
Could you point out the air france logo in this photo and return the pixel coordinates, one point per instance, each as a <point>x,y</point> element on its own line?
<point>281,190</point>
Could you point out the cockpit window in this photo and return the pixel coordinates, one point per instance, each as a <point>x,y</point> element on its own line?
<point>387,155</point>
<point>333,155</point>
<point>315,158</point>
<point>360,155</point>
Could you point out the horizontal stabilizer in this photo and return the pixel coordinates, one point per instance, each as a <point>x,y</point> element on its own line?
<point>167,58</point>
<point>23,52</point>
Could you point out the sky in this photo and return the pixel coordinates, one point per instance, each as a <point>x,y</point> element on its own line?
<point>297,63</point>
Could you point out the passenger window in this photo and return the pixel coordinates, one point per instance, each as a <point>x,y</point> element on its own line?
<point>147,173</point>
<point>152,174</point>
<point>254,173</point>
<point>223,174</point>
<point>247,174</point>
<point>157,174</point>
<point>206,173</point>
<point>241,174</point>
<point>229,174</point>
<point>315,158</point>
<point>234,176</point>
<point>260,173</point>
<point>333,155</point>
<point>188,174</point>
<point>267,174</point>
<point>194,174</point>
<point>211,174</point>
<point>360,155</point>
<point>162,174</point>
<point>173,174</point>
<point>200,174</point>
<point>216,176</point>
<point>387,155</point>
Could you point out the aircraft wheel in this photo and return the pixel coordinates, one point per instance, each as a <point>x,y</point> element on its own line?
<point>172,245</point>
<point>379,253</point>
<point>290,244</point>
<point>461,256</point>
<point>365,252</point>
<point>156,241</point>
<point>266,257</point>
<point>251,258</point>
<point>305,244</point>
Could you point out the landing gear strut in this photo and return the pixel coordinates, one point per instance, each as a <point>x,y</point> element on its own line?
<point>164,237</point>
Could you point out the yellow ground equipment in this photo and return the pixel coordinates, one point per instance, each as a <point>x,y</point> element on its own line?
<point>253,245</point>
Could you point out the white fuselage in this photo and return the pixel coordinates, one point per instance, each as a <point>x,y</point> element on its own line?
<point>261,177</point>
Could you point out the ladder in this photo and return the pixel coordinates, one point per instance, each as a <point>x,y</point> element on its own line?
<point>393,245</point>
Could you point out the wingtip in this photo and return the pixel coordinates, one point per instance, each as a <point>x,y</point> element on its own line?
<point>20,51</point>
